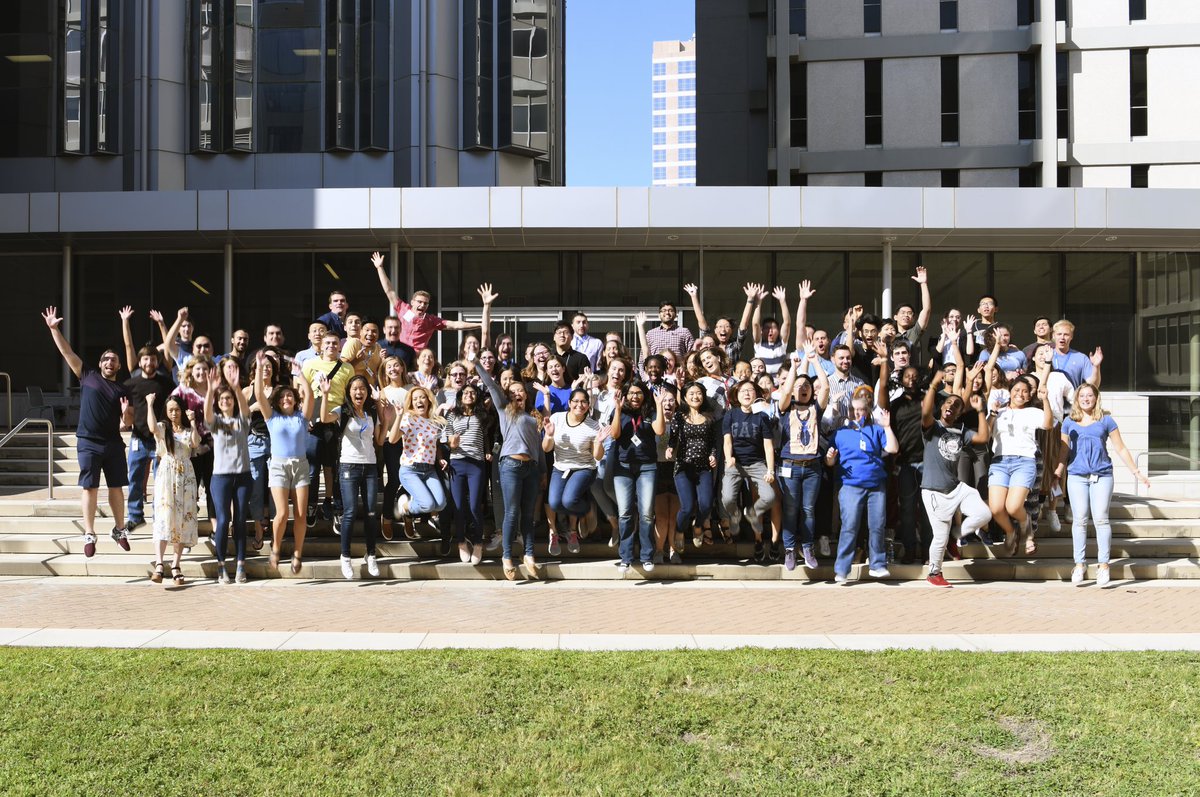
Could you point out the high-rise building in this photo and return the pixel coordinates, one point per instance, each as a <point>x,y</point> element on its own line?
<point>673,113</point>
<point>949,93</point>
<point>121,95</point>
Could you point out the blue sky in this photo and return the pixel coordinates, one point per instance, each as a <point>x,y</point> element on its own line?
<point>609,45</point>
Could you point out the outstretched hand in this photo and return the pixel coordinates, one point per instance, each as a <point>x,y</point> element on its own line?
<point>780,294</point>
<point>125,312</point>
<point>51,317</point>
<point>486,293</point>
<point>691,288</point>
<point>156,316</point>
<point>1097,357</point>
<point>921,277</point>
<point>806,290</point>
<point>377,259</point>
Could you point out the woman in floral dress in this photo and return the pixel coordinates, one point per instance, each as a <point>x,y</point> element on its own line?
<point>174,484</point>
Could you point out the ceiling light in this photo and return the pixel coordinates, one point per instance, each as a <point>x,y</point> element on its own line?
<point>468,237</point>
<point>199,287</point>
<point>329,268</point>
<point>28,59</point>
<point>1111,238</point>
<point>890,238</point>
<point>672,237</point>
<point>313,53</point>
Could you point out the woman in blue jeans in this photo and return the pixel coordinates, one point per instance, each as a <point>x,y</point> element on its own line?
<point>617,373</point>
<point>1013,471</point>
<point>419,428</point>
<point>800,466</point>
<point>231,481</point>
<point>577,441</point>
<point>521,466</point>
<point>361,434</point>
<point>260,507</point>
<point>857,449</point>
<point>634,462</point>
<point>695,439</point>
<point>1085,435</point>
<point>469,431</point>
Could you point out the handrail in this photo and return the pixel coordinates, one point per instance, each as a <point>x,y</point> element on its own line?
<point>8,392</point>
<point>1144,456</point>
<point>49,448</point>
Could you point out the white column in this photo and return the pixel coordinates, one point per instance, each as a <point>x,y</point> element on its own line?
<point>394,259</point>
<point>1048,93</point>
<point>885,303</point>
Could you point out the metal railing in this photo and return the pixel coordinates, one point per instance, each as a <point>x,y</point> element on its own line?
<point>49,448</point>
<point>8,395</point>
<point>1142,460</point>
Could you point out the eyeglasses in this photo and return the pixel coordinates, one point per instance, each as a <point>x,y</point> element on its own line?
<point>458,375</point>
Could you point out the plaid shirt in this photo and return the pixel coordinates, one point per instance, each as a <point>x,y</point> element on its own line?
<point>678,339</point>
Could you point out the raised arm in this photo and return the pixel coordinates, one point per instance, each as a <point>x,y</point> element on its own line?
<point>327,415</point>
<point>810,354</point>
<point>307,400</point>
<point>891,444</point>
<point>214,382</point>
<point>51,317</point>
<point>126,335</point>
<point>384,281</point>
<point>660,421</point>
<point>760,293</point>
<point>640,319</point>
<point>928,403</point>
<point>806,293</point>
<point>498,397</point>
<point>1096,358</point>
<point>789,384</point>
<point>485,325</point>
<point>1047,409</point>
<point>922,279</point>
<point>882,394</point>
<point>693,291</point>
<point>260,390</point>
<point>983,433</point>
<point>785,313</point>
<point>151,418</point>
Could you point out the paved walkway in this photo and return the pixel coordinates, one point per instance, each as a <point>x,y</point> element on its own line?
<point>386,615</point>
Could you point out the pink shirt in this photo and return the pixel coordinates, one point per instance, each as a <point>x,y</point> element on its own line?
<point>416,330</point>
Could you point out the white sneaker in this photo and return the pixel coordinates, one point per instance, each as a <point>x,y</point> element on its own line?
<point>495,542</point>
<point>622,568</point>
<point>823,547</point>
<point>1078,574</point>
<point>1055,523</point>
<point>477,553</point>
<point>372,566</point>
<point>554,549</point>
<point>347,569</point>
<point>648,567</point>
<point>840,580</point>
<point>882,572</point>
<point>1103,576</point>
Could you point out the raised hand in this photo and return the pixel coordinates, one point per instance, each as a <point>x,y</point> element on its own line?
<point>375,394</point>
<point>214,379</point>
<point>762,293</point>
<point>377,259</point>
<point>323,383</point>
<point>541,387</point>
<point>1096,358</point>
<point>751,290</point>
<point>970,323</point>
<point>939,378</point>
<point>691,288</point>
<point>486,293</point>
<point>125,403</point>
<point>50,316</point>
<point>976,402</point>
<point>921,277</point>
<point>156,316</point>
<point>810,351</point>
<point>149,400</point>
<point>806,290</point>
<point>604,433</point>
<point>181,313</point>
<point>884,419</point>
<point>191,416</point>
<point>548,427</point>
<point>641,318</point>
<point>125,312</point>
<point>780,294</point>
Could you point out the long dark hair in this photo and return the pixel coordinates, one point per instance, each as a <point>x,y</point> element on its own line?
<point>648,407</point>
<point>169,429</point>
<point>348,406</point>
<point>483,410</point>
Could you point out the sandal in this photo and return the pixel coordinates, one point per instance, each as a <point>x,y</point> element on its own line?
<point>697,537</point>
<point>510,571</point>
<point>296,564</point>
<point>177,575</point>
<point>257,544</point>
<point>157,576</point>
<point>1030,546</point>
<point>726,535</point>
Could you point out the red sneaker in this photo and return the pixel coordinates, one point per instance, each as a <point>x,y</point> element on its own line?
<point>937,580</point>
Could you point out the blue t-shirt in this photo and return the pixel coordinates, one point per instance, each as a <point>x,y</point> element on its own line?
<point>559,398</point>
<point>748,431</point>
<point>100,409</point>
<point>801,431</point>
<point>1075,364</point>
<point>1088,452</point>
<point>1012,360</point>
<point>289,435</point>
<point>860,455</point>
<point>826,366</point>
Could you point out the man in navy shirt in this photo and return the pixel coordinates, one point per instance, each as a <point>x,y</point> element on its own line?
<point>335,319</point>
<point>149,380</point>
<point>103,407</point>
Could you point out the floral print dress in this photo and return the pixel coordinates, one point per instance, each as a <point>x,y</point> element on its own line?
<point>175,496</point>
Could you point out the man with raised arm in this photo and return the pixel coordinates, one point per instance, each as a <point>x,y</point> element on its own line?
<point>146,379</point>
<point>103,407</point>
<point>723,331</point>
<point>910,326</point>
<point>770,336</point>
<point>417,324</point>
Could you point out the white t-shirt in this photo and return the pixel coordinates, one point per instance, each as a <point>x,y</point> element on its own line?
<point>573,444</point>
<point>358,441</point>
<point>1014,434</point>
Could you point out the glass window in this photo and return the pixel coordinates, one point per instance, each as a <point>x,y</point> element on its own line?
<point>687,102</point>
<point>798,17</point>
<point>799,104</point>
<point>660,69</point>
<point>1063,93</point>
<point>950,178</point>
<point>685,120</point>
<point>660,138</point>
<point>1026,97</point>
<point>827,272</point>
<point>873,101</point>
<point>660,86</point>
<point>686,84</point>
<point>686,136</point>
<point>660,173</point>
<point>1061,9</point>
<point>873,179</point>
<point>688,172</point>
<point>1168,320</point>
<point>1099,290</point>
<point>1137,10</point>
<point>1139,175</point>
<point>524,35</point>
<point>725,273</point>
<point>950,99</point>
<point>1017,276</point>
<point>660,156</point>
<point>687,67</point>
<point>660,121</point>
<point>41,286</point>
<point>290,117</point>
<point>27,79</point>
<point>948,13</point>
<point>1138,94</point>
<point>687,154</point>
<point>289,55</point>
<point>1025,13</point>
<point>659,104</point>
<point>635,280</point>
<point>866,280</point>
<point>872,16</point>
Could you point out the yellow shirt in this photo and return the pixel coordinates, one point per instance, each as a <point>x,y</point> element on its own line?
<point>366,362</point>
<point>337,385</point>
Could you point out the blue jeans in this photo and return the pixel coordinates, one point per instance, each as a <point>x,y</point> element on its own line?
<point>634,483</point>
<point>1012,471</point>
<point>800,504</point>
<point>695,489</point>
<point>139,464</point>
<point>521,483</point>
<point>602,488</point>
<point>230,489</point>
<point>359,480</point>
<point>423,483</point>
<point>1089,501</point>
<point>570,492</point>
<point>468,477</point>
<point>915,531</point>
<point>854,500</point>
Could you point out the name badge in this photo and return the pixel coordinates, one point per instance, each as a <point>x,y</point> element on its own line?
<point>135,444</point>
<point>637,441</point>
<point>862,445</point>
<point>409,316</point>
<point>785,471</point>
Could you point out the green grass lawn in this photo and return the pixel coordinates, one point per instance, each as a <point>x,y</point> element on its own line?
<point>88,722</point>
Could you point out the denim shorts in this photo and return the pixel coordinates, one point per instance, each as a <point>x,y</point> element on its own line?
<point>1012,471</point>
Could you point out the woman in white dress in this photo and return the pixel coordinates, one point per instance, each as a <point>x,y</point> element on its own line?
<point>174,484</point>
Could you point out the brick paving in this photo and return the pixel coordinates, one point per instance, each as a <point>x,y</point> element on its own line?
<point>619,608</point>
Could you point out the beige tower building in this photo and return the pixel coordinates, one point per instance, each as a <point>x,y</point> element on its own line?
<point>673,103</point>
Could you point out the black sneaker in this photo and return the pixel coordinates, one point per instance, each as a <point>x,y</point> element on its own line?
<point>445,547</point>
<point>120,538</point>
<point>311,515</point>
<point>326,511</point>
<point>760,551</point>
<point>775,552</point>
<point>132,524</point>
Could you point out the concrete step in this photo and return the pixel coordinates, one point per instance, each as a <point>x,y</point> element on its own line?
<point>36,435</point>
<point>37,465</point>
<point>201,567</point>
<point>37,479</point>
<point>12,451</point>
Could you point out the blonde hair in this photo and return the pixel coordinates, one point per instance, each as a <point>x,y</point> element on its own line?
<point>1063,324</point>
<point>1078,413</point>
<point>407,409</point>
<point>185,375</point>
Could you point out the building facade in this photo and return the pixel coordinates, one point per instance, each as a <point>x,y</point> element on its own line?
<point>673,113</point>
<point>137,95</point>
<point>1080,93</point>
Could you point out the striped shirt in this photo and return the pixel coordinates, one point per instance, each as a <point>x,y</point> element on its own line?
<point>472,442</point>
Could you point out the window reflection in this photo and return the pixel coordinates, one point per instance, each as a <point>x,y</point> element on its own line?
<point>527,82</point>
<point>73,75</point>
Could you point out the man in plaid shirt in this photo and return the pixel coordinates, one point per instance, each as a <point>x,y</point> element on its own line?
<point>669,335</point>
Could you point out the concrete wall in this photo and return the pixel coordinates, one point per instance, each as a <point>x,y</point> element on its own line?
<point>1174,102</point>
<point>989,178</point>
<point>911,179</point>
<point>1100,97</point>
<point>979,15</point>
<point>987,90</point>
<point>912,102</point>
<point>833,20</point>
<point>902,17</point>
<point>835,101</point>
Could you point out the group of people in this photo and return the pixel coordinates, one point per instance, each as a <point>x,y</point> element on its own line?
<point>821,441</point>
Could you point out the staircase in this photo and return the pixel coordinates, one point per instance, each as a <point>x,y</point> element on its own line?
<point>1153,538</point>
